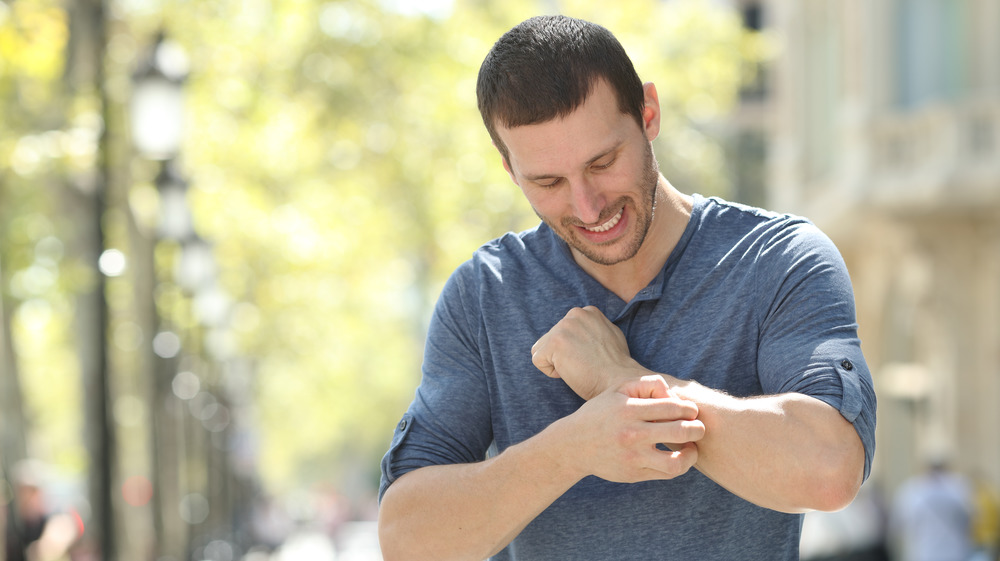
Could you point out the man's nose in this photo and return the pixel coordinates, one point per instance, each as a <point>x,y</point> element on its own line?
<point>587,201</point>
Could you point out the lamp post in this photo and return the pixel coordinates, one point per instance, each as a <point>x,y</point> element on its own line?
<point>157,104</point>
<point>157,116</point>
<point>157,108</point>
<point>175,216</point>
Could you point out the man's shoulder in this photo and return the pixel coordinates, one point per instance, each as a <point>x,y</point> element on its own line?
<point>514,252</point>
<point>717,211</point>
<point>517,244</point>
<point>745,225</point>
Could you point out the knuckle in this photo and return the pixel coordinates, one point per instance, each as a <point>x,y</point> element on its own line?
<point>678,466</point>
<point>692,430</point>
<point>686,410</point>
<point>626,437</point>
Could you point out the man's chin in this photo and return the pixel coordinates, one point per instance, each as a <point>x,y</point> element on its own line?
<point>606,255</point>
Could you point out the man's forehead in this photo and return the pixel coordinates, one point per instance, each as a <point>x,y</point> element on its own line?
<point>546,148</point>
<point>558,161</point>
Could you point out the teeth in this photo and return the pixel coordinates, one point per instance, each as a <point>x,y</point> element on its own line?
<point>609,224</point>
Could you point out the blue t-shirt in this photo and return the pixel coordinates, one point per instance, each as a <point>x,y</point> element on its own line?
<point>749,302</point>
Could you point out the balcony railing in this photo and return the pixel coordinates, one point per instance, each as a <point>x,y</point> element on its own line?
<point>941,156</point>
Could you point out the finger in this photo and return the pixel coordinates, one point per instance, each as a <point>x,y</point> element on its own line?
<point>677,432</point>
<point>662,464</point>
<point>544,364</point>
<point>541,342</point>
<point>671,432</point>
<point>662,409</point>
<point>646,387</point>
<point>541,356</point>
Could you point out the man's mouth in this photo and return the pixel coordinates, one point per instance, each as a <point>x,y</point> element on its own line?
<point>607,225</point>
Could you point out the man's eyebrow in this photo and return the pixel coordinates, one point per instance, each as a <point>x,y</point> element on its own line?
<point>617,145</point>
<point>614,148</point>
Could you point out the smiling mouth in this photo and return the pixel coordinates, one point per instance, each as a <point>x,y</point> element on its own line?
<point>607,225</point>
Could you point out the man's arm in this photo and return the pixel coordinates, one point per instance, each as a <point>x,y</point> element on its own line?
<point>787,452</point>
<point>471,511</point>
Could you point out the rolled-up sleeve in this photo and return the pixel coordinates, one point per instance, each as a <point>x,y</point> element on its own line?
<point>809,342</point>
<point>448,421</point>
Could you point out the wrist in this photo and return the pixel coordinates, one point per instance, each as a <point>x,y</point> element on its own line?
<point>625,375</point>
<point>558,451</point>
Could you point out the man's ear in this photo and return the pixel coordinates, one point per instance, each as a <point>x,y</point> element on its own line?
<point>651,111</point>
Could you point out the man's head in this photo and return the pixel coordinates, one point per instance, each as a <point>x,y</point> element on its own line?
<point>545,67</point>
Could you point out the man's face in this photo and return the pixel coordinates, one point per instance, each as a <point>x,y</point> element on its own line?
<point>591,176</point>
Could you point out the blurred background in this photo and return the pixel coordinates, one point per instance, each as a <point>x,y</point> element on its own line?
<point>223,224</point>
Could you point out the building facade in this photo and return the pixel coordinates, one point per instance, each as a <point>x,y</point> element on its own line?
<point>880,121</point>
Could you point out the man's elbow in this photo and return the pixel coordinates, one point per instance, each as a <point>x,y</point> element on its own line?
<point>387,543</point>
<point>838,483</point>
<point>835,495</point>
<point>402,531</point>
<point>389,532</point>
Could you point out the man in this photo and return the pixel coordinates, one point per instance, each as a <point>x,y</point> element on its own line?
<point>575,373</point>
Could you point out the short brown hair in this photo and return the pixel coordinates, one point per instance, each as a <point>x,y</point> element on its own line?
<point>545,67</point>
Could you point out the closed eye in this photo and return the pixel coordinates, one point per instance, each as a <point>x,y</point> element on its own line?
<point>549,183</point>
<point>604,165</point>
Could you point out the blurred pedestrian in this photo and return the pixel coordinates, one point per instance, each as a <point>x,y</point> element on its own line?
<point>33,532</point>
<point>932,518</point>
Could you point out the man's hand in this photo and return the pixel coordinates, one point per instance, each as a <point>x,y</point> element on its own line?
<point>615,436</point>
<point>587,351</point>
<point>629,410</point>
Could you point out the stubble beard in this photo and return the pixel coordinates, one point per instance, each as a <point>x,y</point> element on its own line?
<point>642,217</point>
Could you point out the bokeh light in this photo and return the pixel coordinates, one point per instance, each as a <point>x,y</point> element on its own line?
<point>194,508</point>
<point>137,490</point>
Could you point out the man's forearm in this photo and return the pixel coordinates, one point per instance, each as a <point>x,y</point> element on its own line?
<point>788,452</point>
<point>471,511</point>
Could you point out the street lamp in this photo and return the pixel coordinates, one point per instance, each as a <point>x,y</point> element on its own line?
<point>157,117</point>
<point>176,223</point>
<point>157,112</point>
<point>158,100</point>
<point>195,269</point>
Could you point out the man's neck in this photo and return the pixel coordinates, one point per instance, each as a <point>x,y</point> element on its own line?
<point>626,279</point>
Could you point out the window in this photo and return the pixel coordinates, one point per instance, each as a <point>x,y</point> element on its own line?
<point>931,53</point>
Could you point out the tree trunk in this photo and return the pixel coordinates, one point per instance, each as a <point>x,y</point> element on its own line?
<point>85,74</point>
<point>12,425</point>
<point>13,446</point>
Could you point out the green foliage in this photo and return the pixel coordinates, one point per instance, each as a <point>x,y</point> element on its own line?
<point>38,144</point>
<point>339,165</point>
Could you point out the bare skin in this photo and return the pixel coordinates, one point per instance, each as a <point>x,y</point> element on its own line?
<point>788,452</point>
<point>472,511</point>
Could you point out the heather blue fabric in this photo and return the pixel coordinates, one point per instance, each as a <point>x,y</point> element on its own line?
<point>749,301</point>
